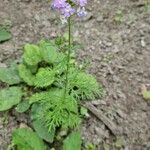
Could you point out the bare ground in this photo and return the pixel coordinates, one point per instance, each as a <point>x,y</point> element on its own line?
<point>120,59</point>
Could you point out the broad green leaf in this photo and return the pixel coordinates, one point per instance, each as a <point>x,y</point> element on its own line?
<point>4,35</point>
<point>73,142</point>
<point>23,106</point>
<point>9,75</point>
<point>26,139</point>
<point>42,131</point>
<point>38,125</point>
<point>36,108</point>
<point>32,55</point>
<point>26,74</point>
<point>10,97</point>
<point>44,77</point>
<point>146,95</point>
<point>48,51</point>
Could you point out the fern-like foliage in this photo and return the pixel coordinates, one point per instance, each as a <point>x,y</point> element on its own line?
<point>44,77</point>
<point>57,110</point>
<point>44,68</point>
<point>83,85</point>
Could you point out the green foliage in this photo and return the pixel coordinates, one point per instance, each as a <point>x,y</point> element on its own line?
<point>57,111</point>
<point>10,97</point>
<point>44,77</point>
<point>83,86</point>
<point>147,5</point>
<point>48,51</point>
<point>9,75</point>
<point>39,125</point>
<point>26,74</point>
<point>42,131</point>
<point>72,142</point>
<point>4,35</point>
<point>23,106</point>
<point>26,139</point>
<point>32,55</point>
<point>91,146</point>
<point>119,16</point>
<point>146,95</point>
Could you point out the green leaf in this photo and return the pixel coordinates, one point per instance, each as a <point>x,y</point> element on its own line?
<point>119,142</point>
<point>26,139</point>
<point>23,106</point>
<point>85,86</point>
<point>9,75</point>
<point>73,142</point>
<point>32,55</point>
<point>43,131</point>
<point>10,97</point>
<point>39,126</point>
<point>26,74</point>
<point>44,77</point>
<point>4,35</point>
<point>146,95</point>
<point>84,111</point>
<point>48,51</point>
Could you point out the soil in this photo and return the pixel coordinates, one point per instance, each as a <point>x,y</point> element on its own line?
<point>116,39</point>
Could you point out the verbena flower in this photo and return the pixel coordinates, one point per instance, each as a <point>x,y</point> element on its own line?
<point>67,9</point>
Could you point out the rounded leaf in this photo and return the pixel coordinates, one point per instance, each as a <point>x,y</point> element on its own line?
<point>10,97</point>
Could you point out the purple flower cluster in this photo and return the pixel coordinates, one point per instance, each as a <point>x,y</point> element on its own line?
<point>69,7</point>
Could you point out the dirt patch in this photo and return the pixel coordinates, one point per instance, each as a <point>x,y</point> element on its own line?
<point>116,38</point>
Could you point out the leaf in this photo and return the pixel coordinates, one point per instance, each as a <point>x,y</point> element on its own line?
<point>85,86</point>
<point>84,111</point>
<point>43,131</point>
<point>9,75</point>
<point>26,74</point>
<point>4,35</point>
<point>72,142</point>
<point>26,139</point>
<point>119,142</point>
<point>145,92</point>
<point>44,77</point>
<point>10,97</point>
<point>32,55</point>
<point>38,125</point>
<point>146,95</point>
<point>48,51</point>
<point>23,106</point>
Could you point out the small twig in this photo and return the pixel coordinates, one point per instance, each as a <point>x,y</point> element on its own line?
<point>99,114</point>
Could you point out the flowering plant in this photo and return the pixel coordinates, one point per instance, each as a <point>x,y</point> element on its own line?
<point>69,7</point>
<point>49,81</point>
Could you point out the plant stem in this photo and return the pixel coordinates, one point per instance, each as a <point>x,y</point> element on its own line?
<point>68,54</point>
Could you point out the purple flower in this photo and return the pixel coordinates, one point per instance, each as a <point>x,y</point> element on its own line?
<point>81,12</point>
<point>58,4</point>
<point>67,10</point>
<point>82,3</point>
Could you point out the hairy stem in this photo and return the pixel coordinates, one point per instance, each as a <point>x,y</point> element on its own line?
<point>68,54</point>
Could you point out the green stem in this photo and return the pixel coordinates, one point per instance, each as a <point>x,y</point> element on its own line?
<point>68,54</point>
